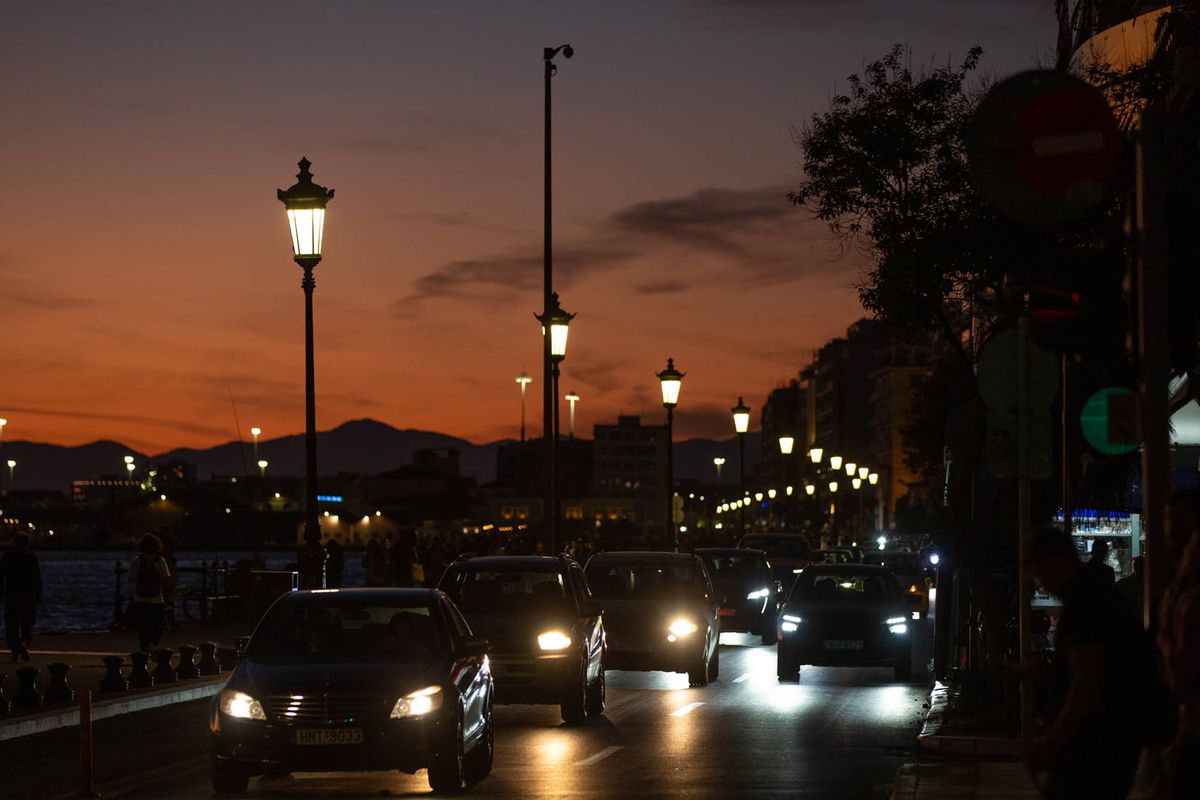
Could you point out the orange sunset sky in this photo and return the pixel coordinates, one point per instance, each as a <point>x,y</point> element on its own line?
<point>145,268</point>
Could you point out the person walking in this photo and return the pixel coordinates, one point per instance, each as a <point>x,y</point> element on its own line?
<point>335,564</point>
<point>404,556</point>
<point>21,588</point>
<point>375,564</point>
<point>1106,676</point>
<point>149,575</point>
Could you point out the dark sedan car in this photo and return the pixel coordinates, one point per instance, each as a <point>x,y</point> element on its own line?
<point>359,679</point>
<point>660,612</point>
<point>743,577</point>
<point>845,615</point>
<point>545,630</point>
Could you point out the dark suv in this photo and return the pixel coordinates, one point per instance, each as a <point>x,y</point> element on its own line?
<point>544,629</point>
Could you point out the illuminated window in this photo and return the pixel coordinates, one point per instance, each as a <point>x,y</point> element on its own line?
<point>574,512</point>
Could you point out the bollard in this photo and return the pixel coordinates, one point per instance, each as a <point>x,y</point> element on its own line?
<point>27,692</point>
<point>208,659</point>
<point>112,680</point>
<point>187,663</point>
<point>85,745</point>
<point>163,673</point>
<point>139,676</point>
<point>57,689</point>
<point>4,706</point>
<point>227,656</point>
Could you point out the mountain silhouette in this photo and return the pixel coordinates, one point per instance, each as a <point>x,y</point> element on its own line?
<point>363,446</point>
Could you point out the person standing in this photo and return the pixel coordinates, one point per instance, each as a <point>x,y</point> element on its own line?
<point>335,563</point>
<point>1105,672</point>
<point>1098,566</point>
<point>149,574</point>
<point>21,588</point>
<point>375,564</point>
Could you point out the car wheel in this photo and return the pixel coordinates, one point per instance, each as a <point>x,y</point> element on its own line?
<point>787,670</point>
<point>698,673</point>
<point>595,696</point>
<point>573,706</point>
<point>714,664</point>
<point>446,765</point>
<point>478,763</point>
<point>228,779</point>
<point>904,671</point>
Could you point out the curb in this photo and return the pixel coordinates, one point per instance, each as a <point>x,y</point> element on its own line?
<point>931,740</point>
<point>46,721</point>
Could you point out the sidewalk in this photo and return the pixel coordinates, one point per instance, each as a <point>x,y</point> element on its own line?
<point>964,780</point>
<point>83,652</point>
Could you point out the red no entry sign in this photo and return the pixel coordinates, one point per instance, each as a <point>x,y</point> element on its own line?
<point>1043,147</point>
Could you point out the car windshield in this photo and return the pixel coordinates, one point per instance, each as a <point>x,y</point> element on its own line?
<point>778,546</point>
<point>340,627</point>
<point>734,566</point>
<point>643,581</point>
<point>507,591</point>
<point>835,556</point>
<point>844,586</point>
<point>900,563</point>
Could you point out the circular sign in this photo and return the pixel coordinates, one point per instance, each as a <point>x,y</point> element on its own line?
<point>1094,419</point>
<point>1043,147</point>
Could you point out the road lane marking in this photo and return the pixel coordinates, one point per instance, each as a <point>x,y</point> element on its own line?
<point>683,711</point>
<point>598,757</point>
<point>742,678</point>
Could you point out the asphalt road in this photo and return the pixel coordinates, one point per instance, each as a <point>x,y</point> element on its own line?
<point>839,733</point>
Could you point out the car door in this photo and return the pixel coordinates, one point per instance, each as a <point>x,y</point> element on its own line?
<point>467,672</point>
<point>591,625</point>
<point>711,605</point>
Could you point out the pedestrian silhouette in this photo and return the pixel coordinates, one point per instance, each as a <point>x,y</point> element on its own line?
<point>21,588</point>
<point>149,575</point>
<point>1097,565</point>
<point>335,564</point>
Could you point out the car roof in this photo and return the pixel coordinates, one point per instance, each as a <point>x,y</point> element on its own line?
<point>847,568</point>
<point>728,551</point>
<point>540,563</point>
<point>370,593</point>
<point>646,556</point>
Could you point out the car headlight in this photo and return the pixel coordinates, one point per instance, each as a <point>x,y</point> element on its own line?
<point>760,594</point>
<point>240,705</point>
<point>554,640</point>
<point>418,703</point>
<point>790,623</point>
<point>898,628</point>
<point>894,620</point>
<point>681,627</point>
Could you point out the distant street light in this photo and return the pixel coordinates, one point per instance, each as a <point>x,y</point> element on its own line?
<point>786,443</point>
<point>833,486</point>
<point>130,466</point>
<point>523,381</point>
<point>556,324</point>
<point>815,455</point>
<point>305,202</point>
<point>671,381</point>
<point>863,472</point>
<point>262,467</point>
<point>851,468</point>
<point>856,483</point>
<point>572,399</point>
<point>741,424</point>
<point>835,463</point>
<point>12,465</point>
<point>810,489</point>
<point>873,478</point>
<point>718,462</point>
<point>255,432</point>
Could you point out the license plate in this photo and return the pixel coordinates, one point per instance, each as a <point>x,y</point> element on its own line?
<point>843,644</point>
<point>726,612</point>
<point>321,737</point>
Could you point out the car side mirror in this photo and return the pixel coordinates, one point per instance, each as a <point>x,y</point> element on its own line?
<point>590,608</point>
<point>475,645</point>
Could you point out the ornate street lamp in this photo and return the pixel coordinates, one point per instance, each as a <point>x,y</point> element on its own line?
<point>786,443</point>
<point>671,381</point>
<point>810,489</point>
<point>863,472</point>
<point>873,478</point>
<point>815,455</point>
<point>835,463</point>
<point>856,483</point>
<point>556,324</point>
<point>305,202</point>
<point>741,424</point>
<point>851,468</point>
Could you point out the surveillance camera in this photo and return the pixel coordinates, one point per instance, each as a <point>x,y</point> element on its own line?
<point>568,51</point>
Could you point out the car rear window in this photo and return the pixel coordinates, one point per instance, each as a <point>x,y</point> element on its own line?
<point>778,546</point>
<point>506,591</point>
<point>901,564</point>
<point>643,581</point>
<point>842,586</point>
<point>339,627</point>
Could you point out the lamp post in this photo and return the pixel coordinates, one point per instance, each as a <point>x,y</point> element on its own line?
<point>305,202</point>
<point>255,432</point>
<point>741,424</point>
<point>3,422</point>
<point>262,467</point>
<point>718,462</point>
<point>12,465</point>
<point>556,325</point>
<point>523,380</point>
<point>572,399</point>
<point>671,381</point>
<point>130,466</point>
<point>549,302</point>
